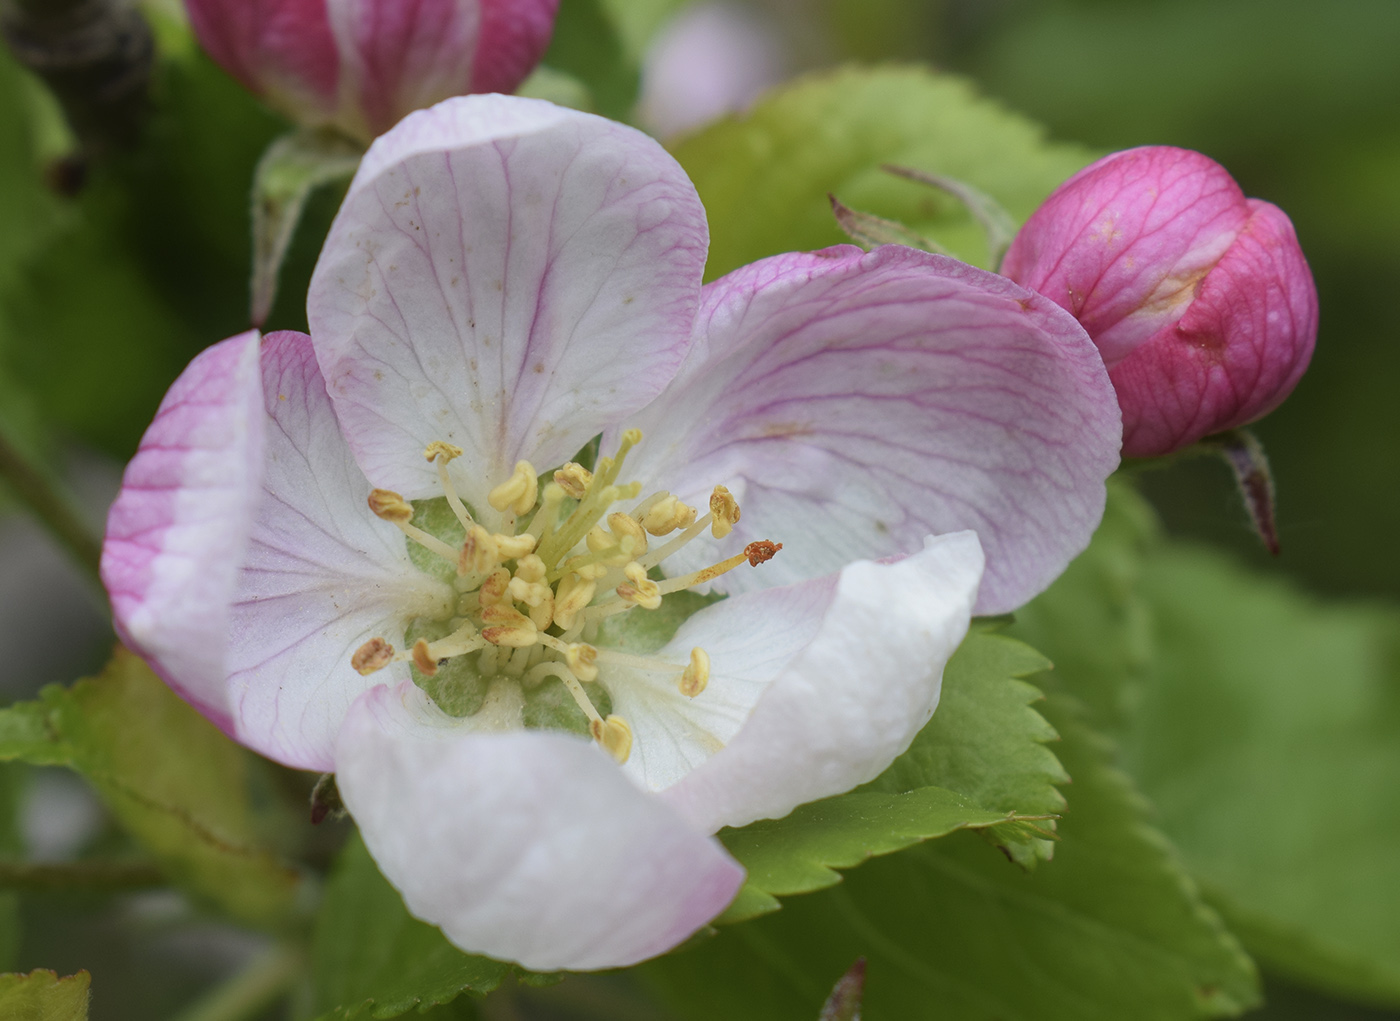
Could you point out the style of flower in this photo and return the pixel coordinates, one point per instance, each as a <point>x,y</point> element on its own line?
<point>361,65</point>
<point>377,551</point>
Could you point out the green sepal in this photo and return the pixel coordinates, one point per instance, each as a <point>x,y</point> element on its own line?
<point>292,167</point>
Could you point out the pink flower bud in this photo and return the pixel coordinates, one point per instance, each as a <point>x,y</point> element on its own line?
<point>1198,298</point>
<point>361,65</point>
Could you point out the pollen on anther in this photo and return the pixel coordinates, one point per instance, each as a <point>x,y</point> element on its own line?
<point>374,655</point>
<point>725,510</point>
<point>423,659</point>
<point>762,551</point>
<point>389,505</point>
<point>574,479</point>
<point>438,448</point>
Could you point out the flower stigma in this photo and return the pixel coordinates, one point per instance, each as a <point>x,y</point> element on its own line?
<point>539,579</point>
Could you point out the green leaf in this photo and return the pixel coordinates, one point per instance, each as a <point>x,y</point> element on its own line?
<point>43,996</point>
<point>980,763</point>
<point>1110,929</point>
<point>371,959</point>
<point>764,177</point>
<point>1267,737</point>
<point>588,45</point>
<point>800,852</point>
<point>986,743</point>
<point>177,784</point>
<point>1093,622</point>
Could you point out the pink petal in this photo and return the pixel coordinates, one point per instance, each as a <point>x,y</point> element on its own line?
<point>322,575</point>
<point>514,36</point>
<point>507,276</point>
<point>528,846</point>
<point>851,699</point>
<point>402,55</point>
<point>282,49</point>
<point>1239,350</point>
<point>177,530</point>
<point>855,403</point>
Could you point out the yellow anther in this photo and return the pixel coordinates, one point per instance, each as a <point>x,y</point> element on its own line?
<point>374,655</point>
<point>438,448</point>
<point>542,613</point>
<point>513,547</point>
<point>726,511</point>
<point>638,588</point>
<point>591,572</point>
<point>614,735</point>
<point>480,552</point>
<point>531,593</point>
<point>530,568</point>
<point>518,492</point>
<point>582,659</point>
<point>493,589</point>
<point>666,515</point>
<point>390,506</point>
<point>624,527</point>
<point>574,479</point>
<point>572,597</point>
<point>423,658</point>
<point>697,675</point>
<point>507,626</point>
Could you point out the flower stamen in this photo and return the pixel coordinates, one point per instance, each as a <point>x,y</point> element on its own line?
<point>393,508</point>
<point>440,454</point>
<point>517,493</point>
<point>696,676</point>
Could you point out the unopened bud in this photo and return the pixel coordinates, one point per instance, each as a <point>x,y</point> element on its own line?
<point>1198,298</point>
<point>354,75</point>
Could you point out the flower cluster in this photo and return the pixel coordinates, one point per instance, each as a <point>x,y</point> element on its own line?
<point>561,561</point>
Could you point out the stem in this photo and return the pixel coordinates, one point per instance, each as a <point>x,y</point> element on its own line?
<point>85,875</point>
<point>266,980</point>
<point>50,506</point>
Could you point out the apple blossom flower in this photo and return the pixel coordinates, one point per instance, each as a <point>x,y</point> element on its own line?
<point>361,65</point>
<point>373,551</point>
<point>1199,298</point>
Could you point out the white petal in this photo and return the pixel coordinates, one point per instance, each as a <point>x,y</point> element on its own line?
<point>839,710</point>
<point>322,575</point>
<point>507,276</point>
<point>528,846</point>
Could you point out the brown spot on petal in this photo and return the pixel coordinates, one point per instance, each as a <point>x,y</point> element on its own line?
<point>762,551</point>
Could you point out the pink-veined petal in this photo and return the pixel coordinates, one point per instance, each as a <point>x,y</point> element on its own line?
<point>528,846</point>
<point>855,403</point>
<point>507,276</point>
<point>281,49</point>
<point>851,699</point>
<point>322,575</point>
<point>514,36</point>
<point>181,521</point>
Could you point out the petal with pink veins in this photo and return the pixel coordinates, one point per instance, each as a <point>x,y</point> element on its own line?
<point>507,276</point>
<point>855,403</point>
<point>322,575</point>
<point>529,846</point>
